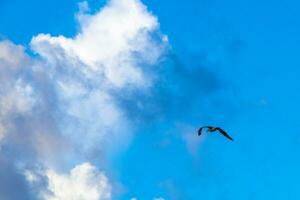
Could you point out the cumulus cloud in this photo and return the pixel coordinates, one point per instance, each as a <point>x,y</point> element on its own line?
<point>84,181</point>
<point>75,79</point>
<point>82,96</point>
<point>108,55</point>
<point>59,107</point>
<point>110,45</point>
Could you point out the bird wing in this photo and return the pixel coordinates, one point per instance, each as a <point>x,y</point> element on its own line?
<point>224,133</point>
<point>200,129</point>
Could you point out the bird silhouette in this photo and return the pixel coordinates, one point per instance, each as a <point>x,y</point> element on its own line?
<point>213,129</point>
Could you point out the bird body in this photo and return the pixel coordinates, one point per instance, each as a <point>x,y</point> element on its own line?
<point>211,129</point>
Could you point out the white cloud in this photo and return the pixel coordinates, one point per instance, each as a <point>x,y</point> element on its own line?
<point>75,79</point>
<point>107,55</point>
<point>112,43</point>
<point>65,96</point>
<point>83,182</point>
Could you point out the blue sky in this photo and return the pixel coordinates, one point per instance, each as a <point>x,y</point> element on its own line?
<point>69,106</point>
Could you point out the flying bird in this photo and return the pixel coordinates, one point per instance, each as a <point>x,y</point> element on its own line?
<point>213,129</point>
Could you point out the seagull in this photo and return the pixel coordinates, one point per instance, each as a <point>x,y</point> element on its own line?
<point>213,129</point>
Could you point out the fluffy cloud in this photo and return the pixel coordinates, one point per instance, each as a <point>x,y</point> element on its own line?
<point>79,98</point>
<point>107,56</point>
<point>83,182</point>
<point>110,46</point>
<point>74,80</point>
<point>60,106</point>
